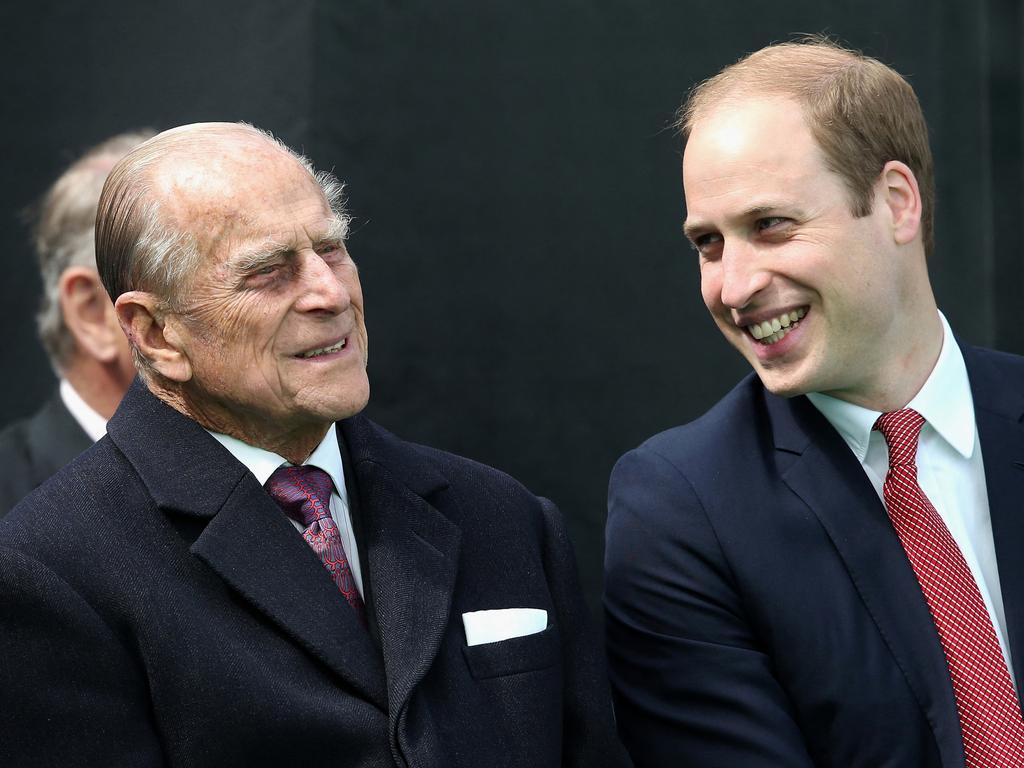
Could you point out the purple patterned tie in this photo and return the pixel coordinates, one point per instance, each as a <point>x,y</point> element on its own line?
<point>304,493</point>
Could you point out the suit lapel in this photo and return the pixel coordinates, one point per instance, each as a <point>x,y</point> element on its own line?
<point>247,541</point>
<point>998,408</point>
<point>54,439</point>
<point>412,552</point>
<point>253,547</point>
<point>820,468</point>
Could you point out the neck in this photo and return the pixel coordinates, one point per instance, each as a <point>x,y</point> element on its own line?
<point>294,444</point>
<point>906,369</point>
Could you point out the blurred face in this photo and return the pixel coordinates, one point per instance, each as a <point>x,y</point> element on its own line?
<point>272,322</point>
<point>810,295</point>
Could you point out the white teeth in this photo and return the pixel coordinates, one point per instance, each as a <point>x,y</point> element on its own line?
<point>325,350</point>
<point>774,330</point>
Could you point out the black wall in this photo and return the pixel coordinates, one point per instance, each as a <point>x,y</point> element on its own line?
<point>530,299</point>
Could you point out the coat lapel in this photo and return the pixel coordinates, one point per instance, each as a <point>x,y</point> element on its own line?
<point>246,539</point>
<point>998,410</point>
<point>412,549</point>
<point>820,468</point>
<point>254,548</point>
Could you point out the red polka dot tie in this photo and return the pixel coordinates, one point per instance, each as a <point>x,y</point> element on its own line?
<point>990,715</point>
<point>304,493</point>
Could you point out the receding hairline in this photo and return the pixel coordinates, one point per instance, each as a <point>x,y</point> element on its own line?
<point>746,79</point>
<point>199,145</point>
<point>139,224</point>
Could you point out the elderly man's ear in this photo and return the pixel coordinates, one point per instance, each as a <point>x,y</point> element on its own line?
<point>154,333</point>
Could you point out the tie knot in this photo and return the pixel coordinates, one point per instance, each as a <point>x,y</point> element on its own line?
<point>304,493</point>
<point>901,430</point>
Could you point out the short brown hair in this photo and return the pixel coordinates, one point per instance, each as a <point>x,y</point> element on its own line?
<point>861,112</point>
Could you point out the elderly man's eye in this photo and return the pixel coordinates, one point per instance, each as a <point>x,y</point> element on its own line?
<point>331,251</point>
<point>261,273</point>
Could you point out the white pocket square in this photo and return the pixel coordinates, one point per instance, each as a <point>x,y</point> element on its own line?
<point>503,624</point>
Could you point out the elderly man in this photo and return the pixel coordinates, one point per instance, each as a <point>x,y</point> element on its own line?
<point>822,570</point>
<point>247,572</point>
<point>77,326</point>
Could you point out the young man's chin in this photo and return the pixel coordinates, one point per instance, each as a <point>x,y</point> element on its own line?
<point>783,386</point>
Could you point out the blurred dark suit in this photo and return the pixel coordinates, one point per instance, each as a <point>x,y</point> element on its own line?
<point>32,449</point>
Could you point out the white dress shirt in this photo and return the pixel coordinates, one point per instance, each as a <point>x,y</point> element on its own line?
<point>950,469</point>
<point>94,425</point>
<point>327,457</point>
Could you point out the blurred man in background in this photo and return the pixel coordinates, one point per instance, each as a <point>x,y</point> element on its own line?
<point>77,326</point>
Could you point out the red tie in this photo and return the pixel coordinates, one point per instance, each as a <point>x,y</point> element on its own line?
<point>304,493</point>
<point>990,716</point>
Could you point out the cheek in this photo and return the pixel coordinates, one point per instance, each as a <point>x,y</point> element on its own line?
<point>711,286</point>
<point>234,321</point>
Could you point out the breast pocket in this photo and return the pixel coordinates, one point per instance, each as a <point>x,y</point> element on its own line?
<point>513,656</point>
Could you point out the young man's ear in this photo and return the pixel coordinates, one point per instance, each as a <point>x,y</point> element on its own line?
<point>152,331</point>
<point>903,199</point>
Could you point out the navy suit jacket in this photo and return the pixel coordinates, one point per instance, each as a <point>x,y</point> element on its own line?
<point>760,608</point>
<point>157,608</point>
<point>34,448</point>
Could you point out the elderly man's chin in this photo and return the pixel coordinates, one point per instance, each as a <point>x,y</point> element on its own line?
<point>335,400</point>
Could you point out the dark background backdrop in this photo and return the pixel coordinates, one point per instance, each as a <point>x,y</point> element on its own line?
<point>530,299</point>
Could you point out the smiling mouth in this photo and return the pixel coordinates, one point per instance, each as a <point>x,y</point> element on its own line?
<point>775,330</point>
<point>325,350</point>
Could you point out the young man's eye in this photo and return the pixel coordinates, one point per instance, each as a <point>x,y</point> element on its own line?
<point>706,242</point>
<point>769,222</point>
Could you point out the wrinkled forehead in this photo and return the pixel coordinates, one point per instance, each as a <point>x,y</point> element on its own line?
<point>227,197</point>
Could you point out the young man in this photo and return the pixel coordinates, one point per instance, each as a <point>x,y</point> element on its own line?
<point>824,569</point>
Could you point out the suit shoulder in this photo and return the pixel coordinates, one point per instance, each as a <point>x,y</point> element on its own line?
<point>736,417</point>
<point>460,470</point>
<point>1003,360</point>
<point>72,493</point>
<point>424,464</point>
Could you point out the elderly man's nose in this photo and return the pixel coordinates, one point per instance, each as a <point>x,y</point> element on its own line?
<point>323,289</point>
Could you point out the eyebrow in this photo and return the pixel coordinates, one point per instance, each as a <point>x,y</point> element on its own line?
<point>697,228</point>
<point>272,251</point>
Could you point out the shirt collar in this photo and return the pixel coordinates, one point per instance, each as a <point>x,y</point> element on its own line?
<point>944,400</point>
<point>262,463</point>
<point>94,425</point>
